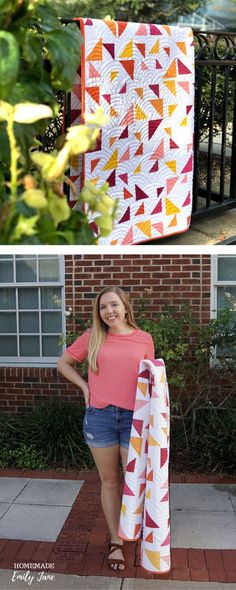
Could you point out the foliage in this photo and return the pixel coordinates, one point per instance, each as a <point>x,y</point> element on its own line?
<point>24,457</point>
<point>39,57</point>
<point>132,10</point>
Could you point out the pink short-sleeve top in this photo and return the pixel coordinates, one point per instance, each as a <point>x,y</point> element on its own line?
<point>118,363</point>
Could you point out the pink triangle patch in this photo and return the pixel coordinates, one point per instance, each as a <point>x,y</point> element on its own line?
<point>187,200</point>
<point>159,228</point>
<point>129,237</point>
<point>124,177</point>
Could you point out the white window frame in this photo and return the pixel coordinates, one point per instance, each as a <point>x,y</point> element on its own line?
<point>215,283</point>
<point>17,361</point>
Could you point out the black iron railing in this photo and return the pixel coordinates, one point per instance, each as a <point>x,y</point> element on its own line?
<point>214,180</point>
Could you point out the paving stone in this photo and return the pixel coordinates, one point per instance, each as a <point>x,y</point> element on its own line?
<point>33,523</point>
<point>208,530</point>
<point>10,487</point>
<point>201,497</point>
<point>49,492</point>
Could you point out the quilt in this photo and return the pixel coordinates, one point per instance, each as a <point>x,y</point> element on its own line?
<point>145,502</point>
<point>142,75</point>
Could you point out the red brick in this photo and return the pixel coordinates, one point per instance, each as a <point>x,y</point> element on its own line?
<point>229,559</point>
<point>11,548</point>
<point>231,576</point>
<point>199,575</point>
<point>196,559</point>
<point>213,559</point>
<point>181,574</point>
<point>179,558</point>
<point>27,550</point>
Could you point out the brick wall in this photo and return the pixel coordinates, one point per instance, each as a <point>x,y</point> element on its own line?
<point>161,279</point>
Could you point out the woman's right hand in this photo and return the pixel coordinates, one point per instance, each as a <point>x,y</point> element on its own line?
<point>86,393</point>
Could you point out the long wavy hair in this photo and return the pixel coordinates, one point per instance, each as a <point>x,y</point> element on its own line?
<point>99,328</point>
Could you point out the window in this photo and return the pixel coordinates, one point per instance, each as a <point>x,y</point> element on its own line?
<point>224,288</point>
<point>31,309</point>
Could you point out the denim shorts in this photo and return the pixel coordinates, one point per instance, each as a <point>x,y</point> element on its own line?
<point>108,426</point>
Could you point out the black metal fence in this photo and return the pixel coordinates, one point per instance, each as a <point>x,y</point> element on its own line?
<point>214,179</point>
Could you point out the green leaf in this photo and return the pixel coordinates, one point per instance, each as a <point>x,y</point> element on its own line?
<point>9,62</point>
<point>64,54</point>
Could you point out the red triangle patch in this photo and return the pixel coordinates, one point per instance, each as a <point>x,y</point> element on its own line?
<point>131,466</point>
<point>124,133</point>
<point>189,166</point>
<point>138,425</point>
<point>155,88</point>
<point>182,69</point>
<point>173,145</point>
<point>126,216</point>
<point>127,491</point>
<point>94,92</point>
<point>158,208</point>
<point>155,167</point>
<point>94,163</point>
<point>140,194</point>
<point>140,210</point>
<point>110,47</point>
<point>123,89</point>
<point>128,65</point>
<point>150,522</point>
<point>127,194</point>
<point>124,177</point>
<point>112,179</point>
<point>153,126</point>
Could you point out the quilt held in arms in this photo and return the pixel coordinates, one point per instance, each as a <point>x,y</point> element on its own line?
<point>142,75</point>
<point>145,502</point>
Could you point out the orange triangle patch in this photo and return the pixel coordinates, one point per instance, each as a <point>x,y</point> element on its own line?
<point>96,53</point>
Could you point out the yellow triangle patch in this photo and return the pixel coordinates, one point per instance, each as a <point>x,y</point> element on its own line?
<point>136,444</point>
<point>138,135</point>
<point>137,169</point>
<point>165,430</point>
<point>168,130</point>
<point>184,122</point>
<point>128,50</point>
<point>171,209</point>
<point>145,227</point>
<point>113,75</point>
<point>139,114</point>
<point>143,387</point>
<point>154,558</point>
<point>152,420</point>
<point>171,109</point>
<point>155,49</point>
<point>182,46</point>
<point>173,222</point>
<point>112,162</point>
<point>152,442</point>
<point>148,494</point>
<point>162,379</point>
<point>139,509</point>
<point>113,112</point>
<point>172,165</point>
<point>123,509</point>
<point>170,84</point>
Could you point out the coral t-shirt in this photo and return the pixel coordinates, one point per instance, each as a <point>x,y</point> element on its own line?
<point>118,363</point>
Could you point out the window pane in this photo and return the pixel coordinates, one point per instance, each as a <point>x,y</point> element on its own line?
<point>51,346</point>
<point>28,322</point>
<point>51,322</point>
<point>223,300</point>
<point>6,271</point>
<point>26,271</point>
<point>7,299</point>
<point>8,322</point>
<point>29,345</point>
<point>8,346</point>
<point>28,298</point>
<point>227,268</point>
<point>51,297</point>
<point>49,269</point>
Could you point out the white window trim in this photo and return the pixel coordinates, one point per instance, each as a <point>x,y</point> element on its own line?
<point>36,361</point>
<point>214,284</point>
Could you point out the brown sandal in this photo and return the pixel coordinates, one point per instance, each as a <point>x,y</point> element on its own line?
<point>113,547</point>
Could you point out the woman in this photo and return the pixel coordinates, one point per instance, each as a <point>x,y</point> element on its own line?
<point>114,347</point>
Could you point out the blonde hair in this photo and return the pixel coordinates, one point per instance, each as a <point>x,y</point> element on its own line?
<point>99,328</point>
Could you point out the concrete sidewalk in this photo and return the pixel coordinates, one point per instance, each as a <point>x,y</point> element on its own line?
<point>56,519</point>
<point>63,582</point>
<point>207,231</point>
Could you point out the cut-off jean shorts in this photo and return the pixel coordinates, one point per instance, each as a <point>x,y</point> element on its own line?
<point>106,427</point>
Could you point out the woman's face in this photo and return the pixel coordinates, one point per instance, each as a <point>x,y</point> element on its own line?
<point>112,310</point>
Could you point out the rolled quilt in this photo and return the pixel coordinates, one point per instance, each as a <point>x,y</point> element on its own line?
<point>145,503</point>
<point>142,75</point>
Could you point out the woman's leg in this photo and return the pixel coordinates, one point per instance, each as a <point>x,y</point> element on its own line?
<point>107,460</point>
<point>124,458</point>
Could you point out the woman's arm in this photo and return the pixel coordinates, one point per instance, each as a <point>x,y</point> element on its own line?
<point>66,368</point>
